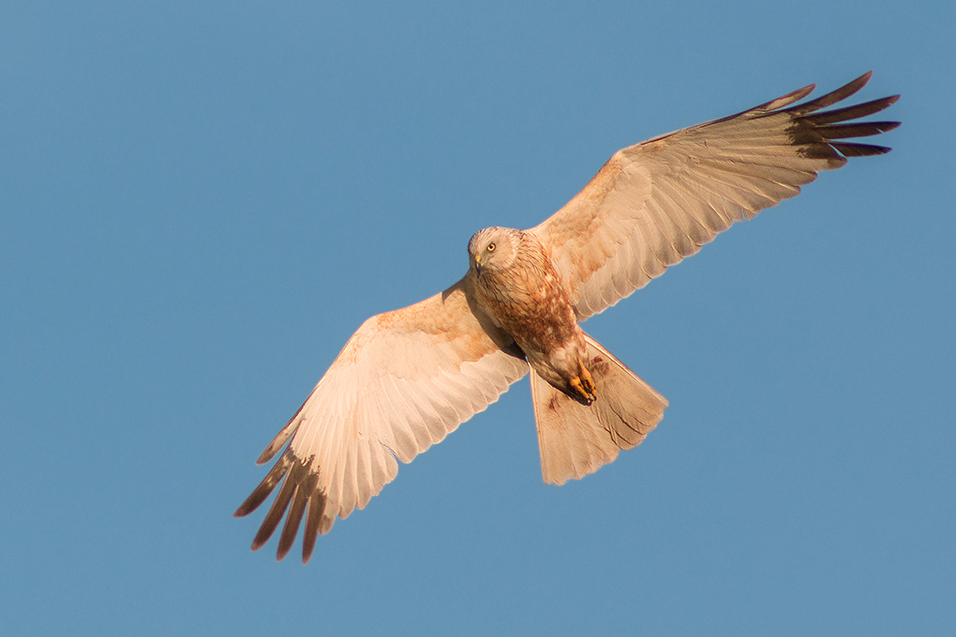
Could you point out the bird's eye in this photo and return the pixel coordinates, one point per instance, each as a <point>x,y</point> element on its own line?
<point>491,247</point>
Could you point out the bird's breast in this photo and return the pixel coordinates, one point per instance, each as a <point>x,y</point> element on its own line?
<point>531,304</point>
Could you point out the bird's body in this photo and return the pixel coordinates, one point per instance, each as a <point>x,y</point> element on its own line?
<point>516,284</point>
<point>407,378</point>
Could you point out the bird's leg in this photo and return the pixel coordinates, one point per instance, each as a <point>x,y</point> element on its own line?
<point>582,386</point>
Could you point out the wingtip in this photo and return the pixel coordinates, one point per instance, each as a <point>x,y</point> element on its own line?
<point>279,441</point>
<point>786,100</point>
<point>249,505</point>
<point>858,83</point>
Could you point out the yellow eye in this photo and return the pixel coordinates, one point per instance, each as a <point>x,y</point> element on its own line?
<point>491,247</point>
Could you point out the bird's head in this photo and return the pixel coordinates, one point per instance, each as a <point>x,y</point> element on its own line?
<point>493,248</point>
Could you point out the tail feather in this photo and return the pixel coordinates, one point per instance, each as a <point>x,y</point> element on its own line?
<point>575,439</point>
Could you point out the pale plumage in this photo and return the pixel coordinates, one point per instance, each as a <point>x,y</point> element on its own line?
<point>409,377</point>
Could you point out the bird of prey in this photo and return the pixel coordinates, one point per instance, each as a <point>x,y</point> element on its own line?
<point>408,377</point>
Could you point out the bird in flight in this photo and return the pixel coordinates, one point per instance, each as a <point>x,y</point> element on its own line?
<point>408,377</point>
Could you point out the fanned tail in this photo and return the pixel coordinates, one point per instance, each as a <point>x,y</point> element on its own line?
<point>576,440</point>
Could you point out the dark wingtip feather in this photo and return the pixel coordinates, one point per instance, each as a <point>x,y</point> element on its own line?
<point>832,97</point>
<point>786,100</point>
<point>299,491</point>
<point>265,487</point>
<point>281,438</point>
<point>818,135</point>
<point>291,528</point>
<point>306,482</point>
<point>855,129</point>
<point>851,112</point>
<point>860,150</point>
<point>316,509</point>
<point>276,512</point>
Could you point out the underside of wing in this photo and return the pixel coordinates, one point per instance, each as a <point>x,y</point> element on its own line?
<point>403,381</point>
<point>654,203</point>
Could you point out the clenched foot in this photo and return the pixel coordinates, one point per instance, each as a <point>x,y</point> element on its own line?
<point>582,386</point>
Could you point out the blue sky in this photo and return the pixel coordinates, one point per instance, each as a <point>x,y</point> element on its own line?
<point>200,202</point>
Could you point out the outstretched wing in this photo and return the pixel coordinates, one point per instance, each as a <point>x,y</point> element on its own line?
<point>402,382</point>
<point>654,203</point>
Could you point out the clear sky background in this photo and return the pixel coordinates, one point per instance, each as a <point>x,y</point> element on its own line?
<point>200,202</point>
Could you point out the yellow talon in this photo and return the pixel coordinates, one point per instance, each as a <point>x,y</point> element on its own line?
<point>583,386</point>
